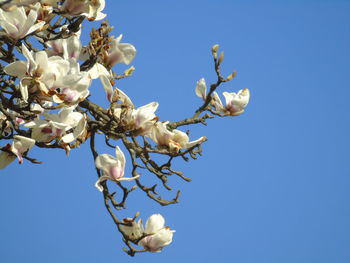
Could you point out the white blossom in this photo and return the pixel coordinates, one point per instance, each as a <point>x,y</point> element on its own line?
<point>119,53</point>
<point>38,73</point>
<point>68,48</point>
<point>236,102</point>
<point>159,236</point>
<point>112,168</point>
<point>172,140</point>
<point>18,24</point>
<point>90,8</point>
<point>19,146</point>
<point>74,87</point>
<point>56,126</point>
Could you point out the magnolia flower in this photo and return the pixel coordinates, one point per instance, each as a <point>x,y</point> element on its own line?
<point>143,117</point>
<point>19,146</point>
<point>158,235</point>
<point>38,73</point>
<point>90,8</point>
<point>74,87</point>
<point>18,24</point>
<point>132,229</point>
<point>172,140</point>
<point>235,103</point>
<point>119,53</point>
<point>68,48</point>
<point>56,126</point>
<point>139,120</point>
<point>112,168</point>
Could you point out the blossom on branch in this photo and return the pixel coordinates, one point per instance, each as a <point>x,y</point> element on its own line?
<point>64,127</point>
<point>235,102</point>
<point>159,236</point>
<point>18,24</point>
<point>19,146</point>
<point>90,8</point>
<point>39,73</point>
<point>68,48</point>
<point>172,140</point>
<point>119,53</point>
<point>112,168</point>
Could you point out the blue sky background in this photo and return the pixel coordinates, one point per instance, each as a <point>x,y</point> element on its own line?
<point>272,185</point>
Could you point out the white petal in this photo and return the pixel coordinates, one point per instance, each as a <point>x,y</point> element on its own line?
<point>99,181</point>
<point>154,223</point>
<point>201,89</point>
<point>120,156</point>
<point>129,52</point>
<point>17,69</point>
<point>107,87</point>
<point>193,143</point>
<point>104,161</point>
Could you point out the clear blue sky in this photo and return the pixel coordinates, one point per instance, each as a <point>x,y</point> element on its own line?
<point>273,184</point>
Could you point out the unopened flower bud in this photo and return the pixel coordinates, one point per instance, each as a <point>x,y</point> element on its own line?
<point>231,76</point>
<point>128,72</point>
<point>214,50</point>
<point>221,58</point>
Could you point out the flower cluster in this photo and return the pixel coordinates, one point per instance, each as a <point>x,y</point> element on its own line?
<point>46,101</point>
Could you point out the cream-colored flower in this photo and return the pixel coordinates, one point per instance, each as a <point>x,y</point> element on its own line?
<point>18,24</point>
<point>172,140</point>
<point>112,168</point>
<point>236,102</point>
<point>159,236</point>
<point>90,8</point>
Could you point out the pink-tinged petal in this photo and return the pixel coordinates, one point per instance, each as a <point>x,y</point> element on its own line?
<point>145,113</point>
<point>116,172</point>
<point>228,97</point>
<point>107,87</point>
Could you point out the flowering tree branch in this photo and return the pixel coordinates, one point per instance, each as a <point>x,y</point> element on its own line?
<point>45,102</point>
